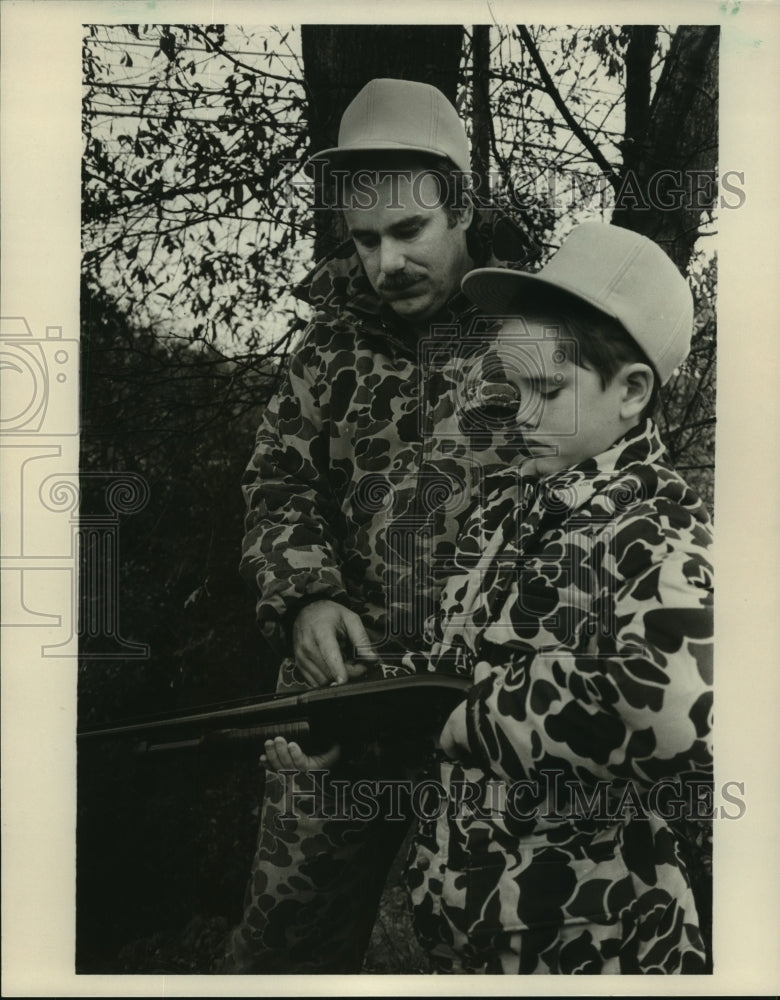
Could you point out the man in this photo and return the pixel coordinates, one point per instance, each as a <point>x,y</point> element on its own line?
<point>360,468</point>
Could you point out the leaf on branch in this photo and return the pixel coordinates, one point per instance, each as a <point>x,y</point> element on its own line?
<point>126,60</point>
<point>168,46</point>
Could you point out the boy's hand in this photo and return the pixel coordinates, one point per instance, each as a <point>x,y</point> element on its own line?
<point>317,636</point>
<point>454,739</point>
<point>283,756</point>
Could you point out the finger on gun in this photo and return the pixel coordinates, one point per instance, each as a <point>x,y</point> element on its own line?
<point>312,673</point>
<point>283,754</point>
<point>359,639</point>
<point>355,668</point>
<point>331,658</point>
<point>270,758</point>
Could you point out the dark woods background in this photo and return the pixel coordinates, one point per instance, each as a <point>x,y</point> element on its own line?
<point>196,224</point>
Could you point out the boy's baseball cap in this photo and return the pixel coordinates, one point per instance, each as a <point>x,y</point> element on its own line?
<point>395,115</point>
<point>621,273</point>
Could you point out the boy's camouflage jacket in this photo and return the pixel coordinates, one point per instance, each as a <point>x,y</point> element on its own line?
<point>363,459</point>
<point>586,598</point>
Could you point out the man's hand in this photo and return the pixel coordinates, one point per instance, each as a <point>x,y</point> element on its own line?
<point>283,756</point>
<point>319,634</point>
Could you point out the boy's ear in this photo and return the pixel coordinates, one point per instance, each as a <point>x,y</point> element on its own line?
<point>466,214</point>
<point>636,382</point>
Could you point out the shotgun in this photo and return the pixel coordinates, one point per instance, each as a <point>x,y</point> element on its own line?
<point>399,710</point>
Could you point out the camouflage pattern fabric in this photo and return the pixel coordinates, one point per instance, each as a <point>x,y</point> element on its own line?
<point>583,601</point>
<point>364,458</point>
<point>366,455</point>
<point>315,884</point>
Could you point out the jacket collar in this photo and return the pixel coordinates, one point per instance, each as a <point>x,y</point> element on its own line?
<point>626,466</point>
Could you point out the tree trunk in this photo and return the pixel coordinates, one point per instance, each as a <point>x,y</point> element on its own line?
<point>639,61</point>
<point>670,148</point>
<point>340,59</point>
<point>480,104</point>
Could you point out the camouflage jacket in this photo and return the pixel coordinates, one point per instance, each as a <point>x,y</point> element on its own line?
<point>586,599</point>
<point>362,461</point>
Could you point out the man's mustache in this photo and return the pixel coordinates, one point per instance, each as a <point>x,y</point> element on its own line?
<point>398,282</point>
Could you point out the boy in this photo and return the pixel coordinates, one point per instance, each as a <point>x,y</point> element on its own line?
<point>581,599</point>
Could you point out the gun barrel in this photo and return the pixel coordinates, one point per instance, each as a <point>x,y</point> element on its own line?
<point>361,709</point>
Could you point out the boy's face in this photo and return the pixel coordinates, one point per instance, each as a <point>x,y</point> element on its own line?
<point>565,414</point>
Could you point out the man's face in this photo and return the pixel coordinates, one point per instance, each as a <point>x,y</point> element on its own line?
<point>412,253</point>
<point>565,414</point>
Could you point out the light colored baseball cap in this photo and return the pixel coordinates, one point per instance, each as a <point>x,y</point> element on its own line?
<point>395,115</point>
<point>621,273</point>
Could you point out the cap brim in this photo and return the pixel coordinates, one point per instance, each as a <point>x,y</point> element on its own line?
<point>342,154</point>
<point>500,291</point>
